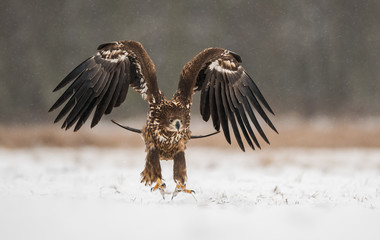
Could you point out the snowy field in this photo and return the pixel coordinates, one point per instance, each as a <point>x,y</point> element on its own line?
<point>91,193</point>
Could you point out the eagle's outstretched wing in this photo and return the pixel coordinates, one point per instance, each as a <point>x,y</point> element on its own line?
<point>102,81</point>
<point>228,94</point>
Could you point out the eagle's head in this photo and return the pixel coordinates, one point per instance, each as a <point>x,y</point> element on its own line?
<point>174,123</point>
<point>174,118</point>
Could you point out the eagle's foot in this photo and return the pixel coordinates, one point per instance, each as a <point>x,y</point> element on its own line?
<point>160,186</point>
<point>182,188</point>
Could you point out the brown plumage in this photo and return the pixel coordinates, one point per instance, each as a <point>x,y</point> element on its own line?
<point>228,96</point>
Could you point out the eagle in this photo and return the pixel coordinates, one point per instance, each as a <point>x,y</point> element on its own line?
<point>228,95</point>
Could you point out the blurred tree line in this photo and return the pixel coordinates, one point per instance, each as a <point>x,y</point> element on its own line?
<point>309,58</point>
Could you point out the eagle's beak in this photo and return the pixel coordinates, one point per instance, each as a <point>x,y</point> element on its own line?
<point>178,125</point>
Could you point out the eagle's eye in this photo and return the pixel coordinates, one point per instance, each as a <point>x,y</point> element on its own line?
<point>170,120</point>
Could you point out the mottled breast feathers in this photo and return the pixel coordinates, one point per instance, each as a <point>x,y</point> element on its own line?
<point>158,136</point>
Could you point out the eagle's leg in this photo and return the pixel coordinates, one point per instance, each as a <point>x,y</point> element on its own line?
<point>152,171</point>
<point>179,174</point>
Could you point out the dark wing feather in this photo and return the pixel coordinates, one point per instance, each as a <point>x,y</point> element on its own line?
<point>205,101</point>
<point>102,81</point>
<point>213,107</point>
<point>228,94</point>
<point>221,110</point>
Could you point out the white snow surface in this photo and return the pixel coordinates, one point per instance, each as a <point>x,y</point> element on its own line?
<point>95,193</point>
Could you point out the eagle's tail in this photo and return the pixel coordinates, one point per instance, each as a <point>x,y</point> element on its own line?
<point>203,136</point>
<point>128,128</point>
<point>139,131</point>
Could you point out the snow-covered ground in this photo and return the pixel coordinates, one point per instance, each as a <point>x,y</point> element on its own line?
<point>91,193</point>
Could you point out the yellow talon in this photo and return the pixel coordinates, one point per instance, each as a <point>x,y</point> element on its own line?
<point>159,185</point>
<point>182,188</point>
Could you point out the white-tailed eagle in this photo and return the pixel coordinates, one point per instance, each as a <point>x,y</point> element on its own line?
<point>228,96</point>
